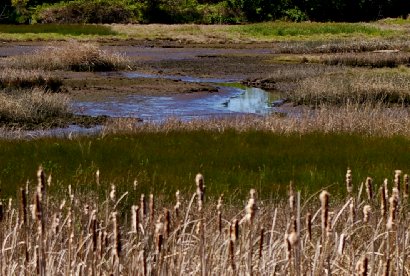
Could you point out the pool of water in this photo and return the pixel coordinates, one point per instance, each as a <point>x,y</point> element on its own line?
<point>228,101</point>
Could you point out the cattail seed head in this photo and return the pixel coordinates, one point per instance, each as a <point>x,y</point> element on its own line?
<point>200,187</point>
<point>23,205</point>
<point>70,193</point>
<point>113,192</point>
<point>159,229</point>
<point>134,219</point>
<point>406,186</point>
<point>366,213</point>
<point>341,246</point>
<point>250,210</point>
<point>49,180</point>
<point>386,188</point>
<point>324,200</point>
<point>393,203</point>
<point>234,230</point>
<point>41,180</point>
<point>397,179</point>
<point>383,202</point>
<point>362,267</point>
<point>143,207</point>
<point>309,225</point>
<point>292,198</point>
<point>177,205</point>
<point>288,247</point>
<point>369,187</point>
<point>117,235</point>
<point>293,238</point>
<point>167,222</point>
<point>2,212</point>
<point>55,225</point>
<point>97,177</point>
<point>349,185</point>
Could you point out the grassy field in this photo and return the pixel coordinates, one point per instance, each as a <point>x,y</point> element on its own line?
<point>233,162</point>
<point>272,31</point>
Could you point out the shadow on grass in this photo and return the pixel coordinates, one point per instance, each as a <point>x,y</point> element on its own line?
<point>63,29</point>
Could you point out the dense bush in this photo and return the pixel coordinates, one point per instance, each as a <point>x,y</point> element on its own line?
<point>79,11</point>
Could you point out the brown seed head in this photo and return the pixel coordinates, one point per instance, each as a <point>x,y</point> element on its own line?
<point>366,213</point>
<point>349,184</point>
<point>369,187</point>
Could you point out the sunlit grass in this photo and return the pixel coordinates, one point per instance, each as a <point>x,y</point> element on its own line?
<point>234,162</point>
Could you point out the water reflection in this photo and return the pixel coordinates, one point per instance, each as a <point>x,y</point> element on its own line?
<point>229,101</point>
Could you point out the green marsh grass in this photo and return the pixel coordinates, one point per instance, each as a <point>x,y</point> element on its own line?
<point>280,29</point>
<point>233,161</point>
<point>270,31</point>
<point>60,29</point>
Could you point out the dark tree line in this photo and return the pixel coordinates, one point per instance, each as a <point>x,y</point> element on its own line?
<point>235,11</point>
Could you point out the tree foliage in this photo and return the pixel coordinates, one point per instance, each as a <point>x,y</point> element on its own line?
<point>208,11</point>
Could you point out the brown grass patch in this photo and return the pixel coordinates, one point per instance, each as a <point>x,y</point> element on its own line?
<point>73,56</point>
<point>370,120</point>
<point>342,46</point>
<point>32,106</point>
<point>22,78</point>
<point>356,86</point>
<point>375,59</point>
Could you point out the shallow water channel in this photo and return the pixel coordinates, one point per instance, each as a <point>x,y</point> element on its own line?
<point>229,100</point>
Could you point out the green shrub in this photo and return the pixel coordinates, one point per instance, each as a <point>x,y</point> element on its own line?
<point>79,11</point>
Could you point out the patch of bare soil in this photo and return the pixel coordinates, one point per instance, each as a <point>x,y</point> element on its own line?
<point>99,87</point>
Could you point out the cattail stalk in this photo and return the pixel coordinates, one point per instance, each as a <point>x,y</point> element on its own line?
<point>219,209</point>
<point>200,193</point>
<point>352,211</point>
<point>25,224</point>
<point>233,237</point>
<point>250,215</point>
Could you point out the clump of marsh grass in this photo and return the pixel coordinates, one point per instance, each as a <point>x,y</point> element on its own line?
<point>32,106</point>
<point>373,59</point>
<point>24,79</point>
<point>78,232</point>
<point>355,86</point>
<point>73,56</point>
<point>342,46</point>
<point>367,119</point>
